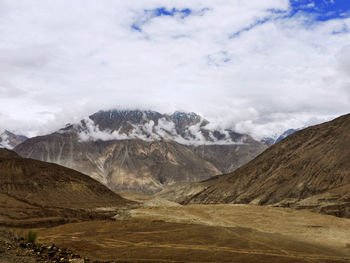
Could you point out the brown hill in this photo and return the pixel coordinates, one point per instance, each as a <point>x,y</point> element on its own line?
<point>313,162</point>
<point>5,153</point>
<point>35,190</point>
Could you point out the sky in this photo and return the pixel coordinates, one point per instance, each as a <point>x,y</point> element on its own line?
<point>259,67</point>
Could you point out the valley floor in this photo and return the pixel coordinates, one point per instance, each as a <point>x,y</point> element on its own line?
<point>164,232</point>
<point>158,230</point>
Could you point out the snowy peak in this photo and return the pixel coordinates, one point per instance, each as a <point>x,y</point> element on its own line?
<point>182,119</point>
<point>184,128</point>
<point>9,140</point>
<point>286,134</point>
<point>115,119</point>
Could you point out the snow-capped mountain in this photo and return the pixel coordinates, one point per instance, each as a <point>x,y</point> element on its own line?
<point>10,140</point>
<point>144,151</point>
<point>277,138</point>
<point>181,127</point>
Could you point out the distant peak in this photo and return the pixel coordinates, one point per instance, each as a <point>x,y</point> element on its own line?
<point>10,140</point>
<point>126,111</point>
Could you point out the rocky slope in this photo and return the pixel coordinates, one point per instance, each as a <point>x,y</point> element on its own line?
<point>10,140</point>
<point>32,191</point>
<point>308,169</point>
<point>144,151</point>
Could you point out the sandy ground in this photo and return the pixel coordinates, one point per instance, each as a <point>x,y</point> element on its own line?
<point>298,224</point>
<point>162,231</point>
<point>159,241</point>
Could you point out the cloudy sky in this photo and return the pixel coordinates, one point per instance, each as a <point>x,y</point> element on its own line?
<point>258,66</point>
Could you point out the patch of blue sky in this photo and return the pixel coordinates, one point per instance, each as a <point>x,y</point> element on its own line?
<point>149,14</point>
<point>256,23</point>
<point>162,11</point>
<point>321,10</point>
<point>136,27</point>
<point>313,10</point>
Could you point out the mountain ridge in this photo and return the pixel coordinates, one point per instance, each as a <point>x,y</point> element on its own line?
<point>140,151</point>
<point>184,128</point>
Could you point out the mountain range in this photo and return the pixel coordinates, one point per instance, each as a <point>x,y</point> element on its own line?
<point>309,169</point>
<point>144,151</point>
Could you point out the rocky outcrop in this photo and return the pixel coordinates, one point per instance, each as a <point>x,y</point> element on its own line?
<point>16,248</point>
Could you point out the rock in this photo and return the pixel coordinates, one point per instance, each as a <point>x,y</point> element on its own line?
<point>23,245</point>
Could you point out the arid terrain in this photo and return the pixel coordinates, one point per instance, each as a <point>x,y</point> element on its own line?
<point>161,231</point>
<point>151,229</point>
<point>205,224</point>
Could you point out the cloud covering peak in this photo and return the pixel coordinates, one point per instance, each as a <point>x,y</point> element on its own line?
<point>181,127</point>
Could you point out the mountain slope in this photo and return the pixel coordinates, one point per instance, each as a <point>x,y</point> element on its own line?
<point>143,151</point>
<point>307,163</point>
<point>122,165</point>
<point>35,189</point>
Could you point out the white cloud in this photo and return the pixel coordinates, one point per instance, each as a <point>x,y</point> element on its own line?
<point>164,129</point>
<point>63,60</point>
<point>344,60</point>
